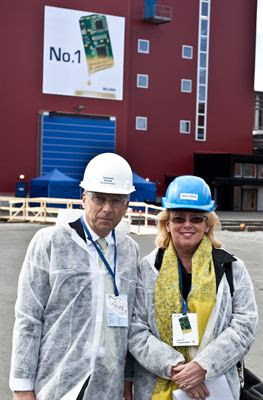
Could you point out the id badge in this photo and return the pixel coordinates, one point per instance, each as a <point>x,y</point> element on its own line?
<point>185,329</point>
<point>117,310</point>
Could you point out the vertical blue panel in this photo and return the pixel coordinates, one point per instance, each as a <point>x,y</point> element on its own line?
<point>149,8</point>
<point>68,142</point>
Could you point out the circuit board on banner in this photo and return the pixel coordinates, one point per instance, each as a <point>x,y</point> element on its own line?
<point>96,41</point>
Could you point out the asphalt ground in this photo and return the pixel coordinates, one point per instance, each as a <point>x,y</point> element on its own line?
<point>14,239</point>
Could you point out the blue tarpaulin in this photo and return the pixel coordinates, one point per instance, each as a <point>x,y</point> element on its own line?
<point>145,190</point>
<point>55,184</point>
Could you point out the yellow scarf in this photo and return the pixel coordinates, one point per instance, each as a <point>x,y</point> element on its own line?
<point>201,300</point>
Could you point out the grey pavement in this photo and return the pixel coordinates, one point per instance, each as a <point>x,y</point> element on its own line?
<point>240,215</point>
<point>14,239</point>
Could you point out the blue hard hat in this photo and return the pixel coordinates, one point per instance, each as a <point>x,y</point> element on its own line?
<point>189,192</point>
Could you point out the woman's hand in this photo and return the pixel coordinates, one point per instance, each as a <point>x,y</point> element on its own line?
<point>198,392</point>
<point>27,395</point>
<point>188,376</point>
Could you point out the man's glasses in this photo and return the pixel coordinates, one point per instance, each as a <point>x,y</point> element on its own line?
<point>116,202</point>
<point>194,219</point>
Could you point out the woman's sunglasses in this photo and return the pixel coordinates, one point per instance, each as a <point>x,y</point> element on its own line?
<point>194,219</point>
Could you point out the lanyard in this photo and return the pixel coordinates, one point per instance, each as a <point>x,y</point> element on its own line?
<point>184,302</point>
<point>105,262</point>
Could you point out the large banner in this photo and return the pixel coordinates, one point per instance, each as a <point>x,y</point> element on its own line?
<point>83,54</point>
<point>258,82</point>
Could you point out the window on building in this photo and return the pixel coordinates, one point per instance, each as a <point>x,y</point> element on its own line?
<point>202,76</point>
<point>200,133</point>
<point>142,81</point>
<point>258,124</point>
<point>141,123</point>
<point>187,51</point>
<point>237,198</point>
<point>201,108</point>
<point>202,69</point>
<point>201,120</point>
<point>260,171</point>
<point>204,27</point>
<point>249,170</point>
<point>201,96</point>
<point>204,9</point>
<point>203,60</point>
<point>186,85</point>
<point>238,170</point>
<point>203,44</point>
<point>143,46</point>
<point>185,126</point>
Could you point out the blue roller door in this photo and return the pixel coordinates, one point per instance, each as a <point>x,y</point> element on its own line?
<point>68,142</point>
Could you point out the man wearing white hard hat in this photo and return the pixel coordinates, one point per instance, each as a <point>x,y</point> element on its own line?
<point>75,297</point>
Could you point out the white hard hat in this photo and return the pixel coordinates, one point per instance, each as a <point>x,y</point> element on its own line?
<point>108,173</point>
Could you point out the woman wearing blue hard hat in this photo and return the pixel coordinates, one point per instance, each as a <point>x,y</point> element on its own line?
<point>195,313</point>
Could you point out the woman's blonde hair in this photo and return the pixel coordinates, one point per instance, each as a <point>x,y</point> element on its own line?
<point>163,236</point>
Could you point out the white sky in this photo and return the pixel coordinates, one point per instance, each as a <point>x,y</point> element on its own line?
<point>258,83</point>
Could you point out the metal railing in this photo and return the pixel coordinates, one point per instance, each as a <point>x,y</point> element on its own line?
<point>46,209</point>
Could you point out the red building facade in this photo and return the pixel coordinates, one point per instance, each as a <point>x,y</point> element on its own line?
<point>152,84</point>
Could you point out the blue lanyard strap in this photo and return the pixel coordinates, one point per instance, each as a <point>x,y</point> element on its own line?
<point>105,262</point>
<point>184,302</point>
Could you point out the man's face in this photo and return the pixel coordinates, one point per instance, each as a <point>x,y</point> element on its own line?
<point>104,211</point>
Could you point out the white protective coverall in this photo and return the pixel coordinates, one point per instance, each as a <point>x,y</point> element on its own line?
<point>227,338</point>
<point>60,317</point>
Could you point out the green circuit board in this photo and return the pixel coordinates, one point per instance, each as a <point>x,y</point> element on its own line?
<point>96,41</point>
<point>185,324</point>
